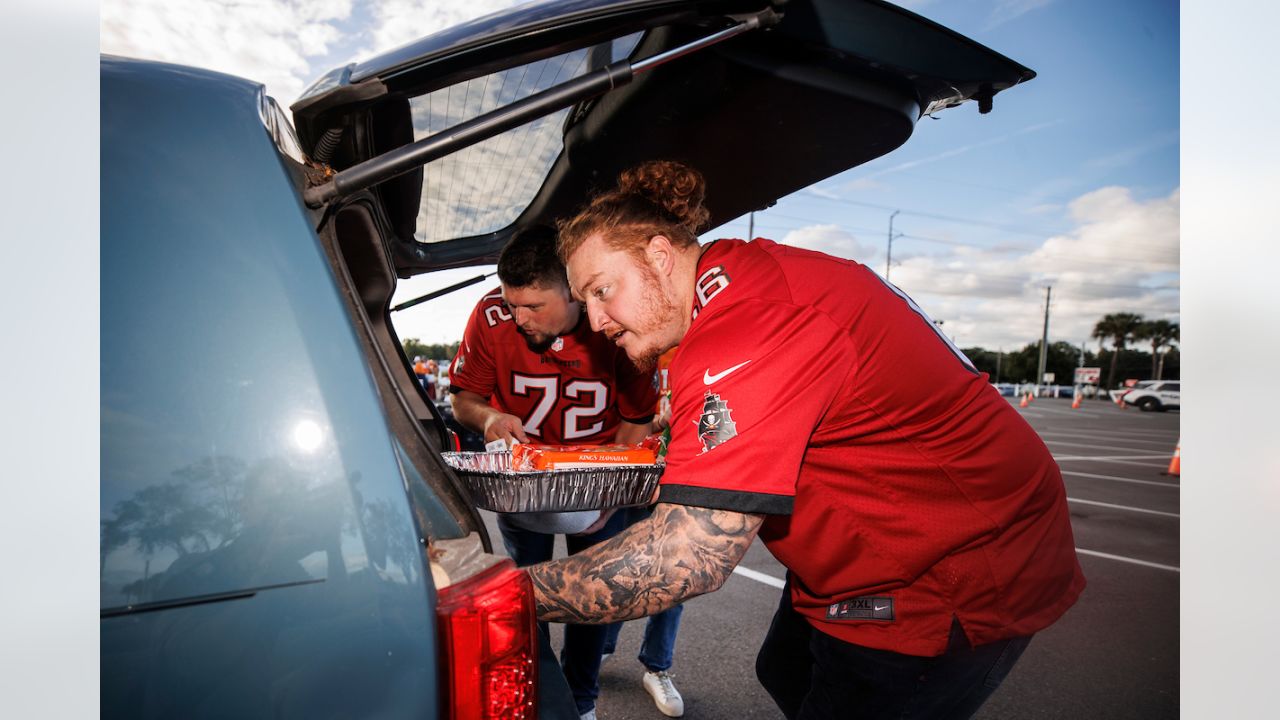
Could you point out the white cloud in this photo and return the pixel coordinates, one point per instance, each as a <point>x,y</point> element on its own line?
<point>269,41</point>
<point>1122,256</point>
<point>831,240</point>
<point>396,22</point>
<point>1116,236</point>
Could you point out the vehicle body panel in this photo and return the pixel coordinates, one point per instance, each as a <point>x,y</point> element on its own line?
<point>259,554</point>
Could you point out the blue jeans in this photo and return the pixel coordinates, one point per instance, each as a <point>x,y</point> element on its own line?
<point>657,651</point>
<point>814,676</point>
<point>583,644</point>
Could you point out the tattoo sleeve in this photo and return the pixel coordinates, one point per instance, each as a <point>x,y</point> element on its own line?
<point>680,552</point>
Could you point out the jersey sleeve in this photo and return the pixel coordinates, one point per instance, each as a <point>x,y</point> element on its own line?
<point>474,367</point>
<point>750,385</point>
<point>637,390</point>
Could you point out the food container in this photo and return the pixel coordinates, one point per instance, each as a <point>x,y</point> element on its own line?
<point>577,457</point>
<point>495,486</point>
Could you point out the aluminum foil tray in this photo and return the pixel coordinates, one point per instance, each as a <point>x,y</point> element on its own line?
<point>495,486</point>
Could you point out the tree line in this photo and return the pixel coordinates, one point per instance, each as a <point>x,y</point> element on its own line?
<point>413,347</point>
<point>1122,331</point>
<point>1119,330</point>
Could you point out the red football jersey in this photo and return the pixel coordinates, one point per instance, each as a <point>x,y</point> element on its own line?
<point>575,393</point>
<point>900,488</point>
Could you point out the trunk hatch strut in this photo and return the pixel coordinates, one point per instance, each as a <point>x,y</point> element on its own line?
<point>406,158</point>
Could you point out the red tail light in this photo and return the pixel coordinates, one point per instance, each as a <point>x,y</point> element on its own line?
<point>488,642</point>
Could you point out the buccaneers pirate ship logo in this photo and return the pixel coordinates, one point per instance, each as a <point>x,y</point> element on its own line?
<point>715,425</point>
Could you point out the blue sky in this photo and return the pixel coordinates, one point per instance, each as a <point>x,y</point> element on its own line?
<point>1071,182</point>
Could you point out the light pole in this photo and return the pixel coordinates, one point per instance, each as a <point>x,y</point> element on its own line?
<point>1044,340</point>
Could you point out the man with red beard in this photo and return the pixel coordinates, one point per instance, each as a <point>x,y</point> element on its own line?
<point>922,521</point>
<point>530,369</point>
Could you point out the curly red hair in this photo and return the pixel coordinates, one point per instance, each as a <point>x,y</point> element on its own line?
<point>657,197</point>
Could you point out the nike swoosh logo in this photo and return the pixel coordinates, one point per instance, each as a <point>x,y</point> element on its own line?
<point>708,378</point>
<point>881,607</point>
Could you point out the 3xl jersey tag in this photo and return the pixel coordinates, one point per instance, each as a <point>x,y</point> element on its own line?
<point>862,608</point>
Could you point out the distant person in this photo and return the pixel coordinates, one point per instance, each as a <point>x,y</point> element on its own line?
<point>433,368</point>
<point>924,525</point>
<point>420,371</point>
<point>531,370</point>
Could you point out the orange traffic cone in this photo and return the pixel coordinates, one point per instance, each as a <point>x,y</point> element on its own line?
<point>1024,400</point>
<point>1075,402</point>
<point>1030,396</point>
<point>1175,465</point>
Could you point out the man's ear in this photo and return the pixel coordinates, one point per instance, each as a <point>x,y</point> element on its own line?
<point>661,254</point>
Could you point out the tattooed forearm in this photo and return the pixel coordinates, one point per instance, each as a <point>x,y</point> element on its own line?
<point>678,553</point>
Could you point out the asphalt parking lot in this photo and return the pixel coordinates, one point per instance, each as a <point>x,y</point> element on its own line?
<point>1114,655</point>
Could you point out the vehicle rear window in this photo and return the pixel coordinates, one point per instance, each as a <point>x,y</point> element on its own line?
<point>243,445</point>
<point>485,187</point>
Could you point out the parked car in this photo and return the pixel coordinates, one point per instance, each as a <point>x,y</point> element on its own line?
<point>1157,395</point>
<point>1122,392</point>
<point>280,535</point>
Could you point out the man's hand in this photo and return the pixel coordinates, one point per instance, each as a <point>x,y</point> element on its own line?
<point>678,553</point>
<point>500,425</point>
<point>475,413</point>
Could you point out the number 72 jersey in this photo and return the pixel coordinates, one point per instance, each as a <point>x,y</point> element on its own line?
<point>574,393</point>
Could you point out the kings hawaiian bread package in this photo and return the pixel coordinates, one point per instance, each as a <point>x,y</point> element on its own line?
<point>525,457</point>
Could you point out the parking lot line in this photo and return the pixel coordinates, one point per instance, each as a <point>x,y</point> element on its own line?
<point>1145,439</point>
<point>1122,507</point>
<point>1122,558</point>
<point>1055,411</point>
<point>759,577</point>
<point>1121,459</point>
<point>1095,446</point>
<point>1175,486</point>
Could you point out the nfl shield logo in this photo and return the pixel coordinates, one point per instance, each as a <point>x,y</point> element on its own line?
<point>558,345</point>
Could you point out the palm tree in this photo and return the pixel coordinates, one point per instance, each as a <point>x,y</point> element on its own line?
<point>1162,334</point>
<point>1119,328</point>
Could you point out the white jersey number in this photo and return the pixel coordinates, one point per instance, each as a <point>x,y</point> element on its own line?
<point>495,314</point>
<point>577,418</point>
<point>574,416</point>
<point>522,384</point>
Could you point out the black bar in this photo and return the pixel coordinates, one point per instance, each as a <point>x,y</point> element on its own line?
<point>406,158</point>
<point>442,291</point>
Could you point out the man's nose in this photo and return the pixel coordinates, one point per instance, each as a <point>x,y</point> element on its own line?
<point>596,315</point>
<point>521,315</point>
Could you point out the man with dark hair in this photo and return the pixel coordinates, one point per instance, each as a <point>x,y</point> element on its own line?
<point>530,369</point>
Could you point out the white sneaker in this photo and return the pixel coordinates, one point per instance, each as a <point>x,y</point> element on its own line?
<point>588,715</point>
<point>664,692</point>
